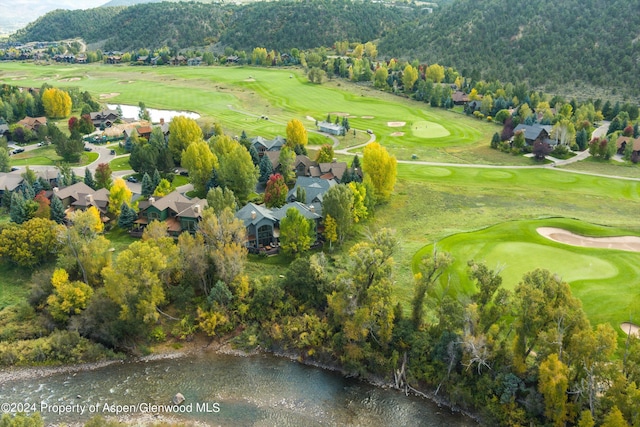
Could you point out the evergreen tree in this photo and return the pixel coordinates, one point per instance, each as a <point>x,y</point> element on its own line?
<point>18,211</point>
<point>255,157</point>
<point>6,199</point>
<point>266,169</point>
<point>88,178</point>
<point>127,217</point>
<point>147,185</point>
<point>28,192</point>
<point>156,178</point>
<point>356,162</point>
<point>301,194</point>
<point>57,210</point>
<point>495,140</point>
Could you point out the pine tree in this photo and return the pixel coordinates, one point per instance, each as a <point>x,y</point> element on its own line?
<point>6,199</point>
<point>266,169</point>
<point>127,217</point>
<point>88,178</point>
<point>57,210</point>
<point>18,211</point>
<point>147,185</point>
<point>156,178</point>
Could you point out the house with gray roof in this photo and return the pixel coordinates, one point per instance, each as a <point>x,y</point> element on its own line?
<point>536,132</point>
<point>263,145</point>
<point>80,196</point>
<point>331,128</point>
<point>314,189</point>
<point>261,226</point>
<point>178,212</point>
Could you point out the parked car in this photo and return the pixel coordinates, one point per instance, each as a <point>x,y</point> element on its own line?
<point>184,173</point>
<point>112,152</point>
<point>18,151</point>
<point>369,131</point>
<point>41,144</point>
<point>87,148</point>
<point>15,168</point>
<point>132,179</point>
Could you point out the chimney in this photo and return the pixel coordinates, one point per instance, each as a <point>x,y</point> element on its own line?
<point>152,200</point>
<point>196,209</point>
<point>253,214</point>
<point>56,189</point>
<point>312,208</point>
<point>88,199</point>
<point>161,120</point>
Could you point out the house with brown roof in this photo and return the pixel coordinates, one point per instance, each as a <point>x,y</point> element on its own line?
<point>177,211</point>
<point>80,196</point>
<point>33,123</point>
<point>623,141</point>
<point>144,131</point>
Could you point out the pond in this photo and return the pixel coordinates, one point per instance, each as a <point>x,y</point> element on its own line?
<point>133,111</point>
<point>220,389</point>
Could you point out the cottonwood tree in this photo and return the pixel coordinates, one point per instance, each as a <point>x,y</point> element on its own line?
<point>325,154</point>
<point>296,233</point>
<point>381,168</point>
<point>57,103</point>
<point>430,269</point>
<point>275,194</point>
<point>219,198</point>
<point>68,297</point>
<point>338,203</point>
<point>182,132</point>
<point>296,134</point>
<point>200,162</point>
<point>119,193</point>
<point>30,243</point>
<point>236,170</point>
<point>409,77</point>
<point>553,384</point>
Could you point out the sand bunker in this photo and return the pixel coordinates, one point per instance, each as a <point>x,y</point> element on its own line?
<point>630,328</point>
<point>623,243</point>
<point>250,79</point>
<point>367,117</point>
<point>70,79</point>
<point>397,134</point>
<point>109,95</point>
<point>396,124</point>
<point>311,118</point>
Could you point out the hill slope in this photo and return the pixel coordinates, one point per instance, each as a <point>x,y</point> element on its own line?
<point>593,41</point>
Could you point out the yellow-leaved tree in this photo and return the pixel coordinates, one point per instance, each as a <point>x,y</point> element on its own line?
<point>56,102</point>
<point>381,168</point>
<point>296,134</point>
<point>182,132</point>
<point>119,193</point>
<point>68,297</point>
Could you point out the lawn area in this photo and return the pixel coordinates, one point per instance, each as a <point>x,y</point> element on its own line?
<point>610,167</point>
<point>238,96</point>
<point>120,164</point>
<point>605,280</point>
<point>47,156</point>
<point>14,284</point>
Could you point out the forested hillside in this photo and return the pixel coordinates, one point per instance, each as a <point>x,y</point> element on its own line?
<point>539,41</point>
<point>542,42</point>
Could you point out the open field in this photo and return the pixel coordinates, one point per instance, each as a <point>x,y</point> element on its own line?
<point>606,280</point>
<point>225,94</point>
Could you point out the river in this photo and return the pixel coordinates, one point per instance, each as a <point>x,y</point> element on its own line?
<point>219,389</point>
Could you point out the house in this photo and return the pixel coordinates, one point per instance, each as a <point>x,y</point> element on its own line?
<point>194,62</point>
<point>114,59</point>
<point>232,59</point>
<point>333,170</point>
<point>4,130</point>
<point>304,166</point>
<point>263,145</point>
<point>261,227</point>
<point>10,181</point>
<point>177,211</point>
<point>263,224</point>
<point>105,118</point>
<point>33,123</point>
<point>80,196</point>
<point>314,189</point>
<point>536,132</point>
<point>178,60</point>
<point>623,141</point>
<point>459,98</point>
<point>331,128</point>
<point>144,131</point>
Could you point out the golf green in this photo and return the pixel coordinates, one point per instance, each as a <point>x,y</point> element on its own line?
<point>605,280</point>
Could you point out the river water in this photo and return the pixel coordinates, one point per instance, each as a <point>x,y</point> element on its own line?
<point>221,390</point>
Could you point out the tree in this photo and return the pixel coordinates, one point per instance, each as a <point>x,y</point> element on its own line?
<point>44,209</point>
<point>21,210</point>
<point>275,194</point>
<point>296,134</point>
<point>147,186</point>
<point>182,132</point>
<point>119,193</point>
<point>296,233</point>
<point>30,243</point>
<point>316,75</point>
<point>381,169</point>
<point>430,270</point>
<point>219,198</point>
<point>409,77</point>
<point>564,131</point>
<point>134,285</point>
<point>164,187</point>
<point>57,103</point>
<point>330,230</point>
<point>582,139</point>
<point>540,150</point>
<point>70,149</point>
<point>127,217</point>
<point>4,160</point>
<point>68,298</point>
<point>103,176</point>
<point>435,73</point>
<point>88,178</point>
<point>495,141</point>
<point>519,140</point>
<point>359,209</point>
<point>380,77</point>
<point>325,154</point>
<point>236,171</point>
<point>266,169</point>
<point>200,162</point>
<point>57,209</point>
<point>337,203</point>
<point>553,384</point>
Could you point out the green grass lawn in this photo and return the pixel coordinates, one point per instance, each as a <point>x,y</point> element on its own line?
<point>120,164</point>
<point>47,156</point>
<point>605,280</point>
<point>14,284</point>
